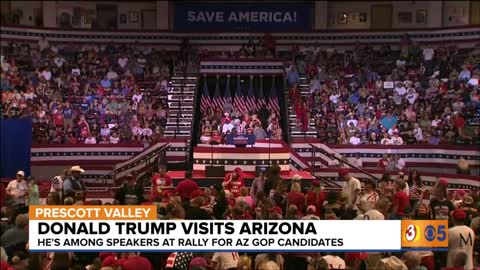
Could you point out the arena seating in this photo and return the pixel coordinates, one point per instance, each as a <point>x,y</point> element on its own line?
<point>157,110</point>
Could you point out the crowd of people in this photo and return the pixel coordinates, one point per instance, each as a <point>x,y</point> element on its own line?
<point>421,94</point>
<point>90,94</point>
<point>215,127</point>
<point>269,197</point>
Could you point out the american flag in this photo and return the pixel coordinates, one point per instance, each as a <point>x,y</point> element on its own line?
<point>261,102</point>
<point>250,99</point>
<point>179,260</point>
<point>217,100</point>
<point>273,100</point>
<point>238,100</point>
<point>205,101</point>
<point>228,95</point>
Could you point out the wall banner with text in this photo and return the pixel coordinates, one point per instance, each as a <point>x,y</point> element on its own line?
<point>247,16</point>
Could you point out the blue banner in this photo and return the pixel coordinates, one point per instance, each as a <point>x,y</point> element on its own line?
<point>247,16</point>
<point>15,145</point>
<point>240,140</point>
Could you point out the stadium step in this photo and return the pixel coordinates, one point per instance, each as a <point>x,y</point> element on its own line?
<point>180,101</point>
<point>295,131</point>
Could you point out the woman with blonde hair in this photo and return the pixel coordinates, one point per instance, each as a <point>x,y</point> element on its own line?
<point>296,197</point>
<point>268,265</point>
<point>244,263</point>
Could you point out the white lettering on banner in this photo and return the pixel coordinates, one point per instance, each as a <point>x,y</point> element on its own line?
<point>242,16</point>
<point>227,235</point>
<point>205,16</point>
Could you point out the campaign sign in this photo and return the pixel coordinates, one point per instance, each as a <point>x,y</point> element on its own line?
<point>240,140</point>
<point>245,16</point>
<point>424,233</point>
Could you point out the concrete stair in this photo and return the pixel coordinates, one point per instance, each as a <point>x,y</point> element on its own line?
<point>296,132</point>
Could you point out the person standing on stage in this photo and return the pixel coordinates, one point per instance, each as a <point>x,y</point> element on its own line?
<point>233,182</point>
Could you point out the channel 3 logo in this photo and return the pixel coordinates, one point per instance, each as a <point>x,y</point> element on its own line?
<point>424,233</point>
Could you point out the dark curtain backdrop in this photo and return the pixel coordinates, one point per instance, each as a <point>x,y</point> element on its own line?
<point>15,143</point>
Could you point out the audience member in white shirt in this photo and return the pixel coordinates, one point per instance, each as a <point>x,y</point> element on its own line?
<point>137,96</point>
<point>123,61</point>
<point>355,140</point>
<point>385,139</point>
<point>465,74</point>
<point>417,132</point>
<point>400,89</point>
<point>90,140</point>
<point>225,260</point>
<point>400,166</point>
<point>43,44</point>
<point>396,139</point>
<point>114,139</point>
<point>112,75</point>
<point>18,188</point>
<point>227,127</point>
<point>428,54</point>
<point>460,242</point>
<point>357,161</point>
<point>392,130</point>
<point>59,61</point>
<point>47,74</point>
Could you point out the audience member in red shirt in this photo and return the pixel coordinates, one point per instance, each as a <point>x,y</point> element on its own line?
<point>316,197</point>
<point>160,181</point>
<point>186,187</point>
<point>400,200</point>
<point>233,182</point>
<point>295,196</point>
<point>383,162</point>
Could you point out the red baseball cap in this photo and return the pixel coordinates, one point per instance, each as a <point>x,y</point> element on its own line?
<point>351,256</point>
<point>109,261</point>
<point>443,182</point>
<point>342,172</point>
<point>459,214</point>
<point>276,209</point>
<point>315,183</point>
<point>198,262</point>
<point>238,170</point>
<point>104,255</point>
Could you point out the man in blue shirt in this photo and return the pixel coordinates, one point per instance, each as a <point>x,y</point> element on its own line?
<point>388,121</point>
<point>292,76</point>
<point>106,83</point>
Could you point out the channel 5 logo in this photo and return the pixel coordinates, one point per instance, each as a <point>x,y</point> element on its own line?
<point>425,233</point>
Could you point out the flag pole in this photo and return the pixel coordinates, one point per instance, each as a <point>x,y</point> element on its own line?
<point>270,138</point>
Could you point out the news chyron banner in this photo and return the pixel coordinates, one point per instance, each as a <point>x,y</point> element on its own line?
<point>136,228</point>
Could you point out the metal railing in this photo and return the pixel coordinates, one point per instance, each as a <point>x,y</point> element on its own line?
<point>341,161</point>
<point>151,160</point>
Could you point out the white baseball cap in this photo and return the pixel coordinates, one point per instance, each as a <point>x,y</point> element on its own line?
<point>21,173</point>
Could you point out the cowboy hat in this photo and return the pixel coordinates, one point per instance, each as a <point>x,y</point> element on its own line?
<point>77,169</point>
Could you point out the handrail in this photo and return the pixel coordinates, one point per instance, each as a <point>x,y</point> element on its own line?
<point>195,128</point>
<point>146,158</point>
<point>340,160</point>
